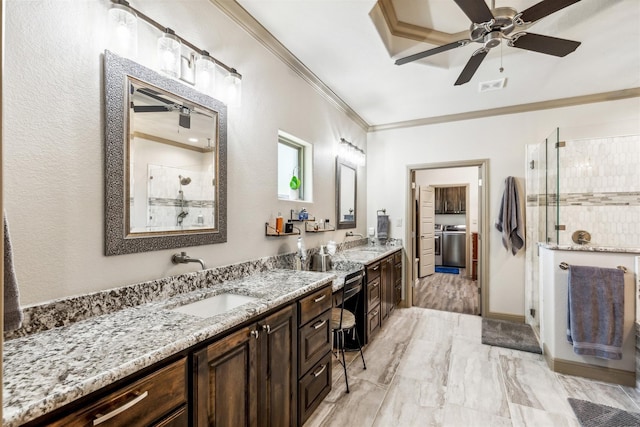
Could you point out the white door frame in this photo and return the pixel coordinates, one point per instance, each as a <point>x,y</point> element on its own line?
<point>483,226</point>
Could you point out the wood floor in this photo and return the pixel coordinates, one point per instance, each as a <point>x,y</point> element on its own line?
<point>429,368</point>
<point>448,292</point>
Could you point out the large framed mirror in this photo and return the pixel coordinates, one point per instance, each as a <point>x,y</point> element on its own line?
<point>346,194</point>
<point>165,161</point>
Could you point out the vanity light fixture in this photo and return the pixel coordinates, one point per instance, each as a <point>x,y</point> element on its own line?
<point>123,30</point>
<point>169,57</point>
<point>206,73</point>
<point>169,53</point>
<point>233,87</point>
<point>351,153</point>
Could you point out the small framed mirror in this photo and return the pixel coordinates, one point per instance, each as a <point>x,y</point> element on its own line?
<point>165,162</point>
<point>346,194</point>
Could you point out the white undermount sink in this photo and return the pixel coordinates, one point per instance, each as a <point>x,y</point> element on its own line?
<point>214,305</point>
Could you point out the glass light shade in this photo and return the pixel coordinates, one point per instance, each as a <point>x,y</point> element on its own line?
<point>351,153</point>
<point>169,54</point>
<point>123,31</point>
<point>233,84</point>
<point>206,75</point>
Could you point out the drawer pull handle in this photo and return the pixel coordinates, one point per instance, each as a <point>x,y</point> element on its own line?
<point>255,334</point>
<point>102,418</point>
<point>375,313</point>
<point>319,324</point>
<point>376,267</point>
<point>266,328</point>
<point>318,372</point>
<point>320,298</point>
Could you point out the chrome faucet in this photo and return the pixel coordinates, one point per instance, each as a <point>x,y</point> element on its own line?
<point>183,258</point>
<point>352,234</point>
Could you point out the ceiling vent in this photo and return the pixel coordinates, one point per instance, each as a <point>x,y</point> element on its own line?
<point>492,85</point>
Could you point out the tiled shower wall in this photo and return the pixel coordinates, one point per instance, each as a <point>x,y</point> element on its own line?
<point>599,184</point>
<point>599,181</point>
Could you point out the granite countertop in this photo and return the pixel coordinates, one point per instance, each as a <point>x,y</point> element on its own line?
<point>49,369</point>
<point>353,260</point>
<point>46,370</point>
<point>588,248</point>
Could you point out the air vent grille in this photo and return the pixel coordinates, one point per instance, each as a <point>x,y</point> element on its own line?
<point>492,85</point>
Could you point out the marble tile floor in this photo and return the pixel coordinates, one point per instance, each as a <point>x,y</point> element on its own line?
<point>429,368</point>
<point>448,292</point>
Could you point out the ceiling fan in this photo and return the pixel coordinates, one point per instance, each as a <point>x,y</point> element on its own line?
<point>490,26</point>
<point>184,111</point>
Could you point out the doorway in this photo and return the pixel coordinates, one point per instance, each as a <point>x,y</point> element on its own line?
<point>461,286</point>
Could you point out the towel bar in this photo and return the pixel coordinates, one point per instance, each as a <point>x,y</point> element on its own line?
<point>565,266</point>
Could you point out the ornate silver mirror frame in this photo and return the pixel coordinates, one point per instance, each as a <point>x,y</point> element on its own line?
<point>120,237</point>
<point>346,194</point>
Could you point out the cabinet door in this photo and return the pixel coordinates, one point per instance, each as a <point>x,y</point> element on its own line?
<point>277,379</point>
<point>225,381</point>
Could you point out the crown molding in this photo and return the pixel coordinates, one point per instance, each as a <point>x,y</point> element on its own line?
<point>514,109</point>
<point>247,22</point>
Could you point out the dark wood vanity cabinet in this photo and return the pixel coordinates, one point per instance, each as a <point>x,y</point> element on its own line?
<point>249,377</point>
<point>373,299</point>
<point>397,278</point>
<point>383,293</point>
<point>387,283</point>
<point>157,399</point>
<point>314,351</point>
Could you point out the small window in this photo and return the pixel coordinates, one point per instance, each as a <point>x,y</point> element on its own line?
<point>294,168</point>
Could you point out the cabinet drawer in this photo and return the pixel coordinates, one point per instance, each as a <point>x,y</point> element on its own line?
<point>373,322</point>
<point>140,403</point>
<point>316,303</point>
<point>313,387</point>
<point>179,418</point>
<point>373,294</point>
<point>314,341</point>
<point>397,258</point>
<point>373,271</point>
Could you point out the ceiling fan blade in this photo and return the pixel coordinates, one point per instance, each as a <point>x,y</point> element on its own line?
<point>544,8</point>
<point>471,67</point>
<point>476,10</point>
<point>153,94</point>
<point>433,51</point>
<point>543,44</point>
<point>149,108</point>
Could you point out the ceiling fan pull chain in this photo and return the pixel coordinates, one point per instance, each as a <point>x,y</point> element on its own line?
<point>501,68</point>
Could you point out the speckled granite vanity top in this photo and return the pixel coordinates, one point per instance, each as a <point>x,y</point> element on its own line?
<point>588,248</point>
<point>49,369</point>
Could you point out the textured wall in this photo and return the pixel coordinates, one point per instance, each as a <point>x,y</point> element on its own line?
<point>54,144</point>
<point>500,139</point>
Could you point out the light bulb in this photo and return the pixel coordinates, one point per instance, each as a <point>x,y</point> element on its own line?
<point>169,53</point>
<point>123,31</point>
<point>233,83</point>
<point>206,74</point>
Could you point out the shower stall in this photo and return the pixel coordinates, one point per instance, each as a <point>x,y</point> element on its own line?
<point>579,190</point>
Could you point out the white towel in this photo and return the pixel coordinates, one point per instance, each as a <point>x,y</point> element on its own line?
<point>510,221</point>
<point>12,312</point>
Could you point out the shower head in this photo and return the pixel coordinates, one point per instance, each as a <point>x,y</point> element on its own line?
<point>184,180</point>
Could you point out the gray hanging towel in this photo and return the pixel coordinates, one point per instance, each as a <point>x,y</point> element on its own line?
<point>595,315</point>
<point>383,226</point>
<point>12,312</point>
<point>510,221</point>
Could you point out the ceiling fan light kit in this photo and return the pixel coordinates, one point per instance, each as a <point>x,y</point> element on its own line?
<point>490,26</point>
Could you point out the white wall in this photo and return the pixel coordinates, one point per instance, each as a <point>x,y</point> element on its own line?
<point>500,139</point>
<point>54,145</point>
